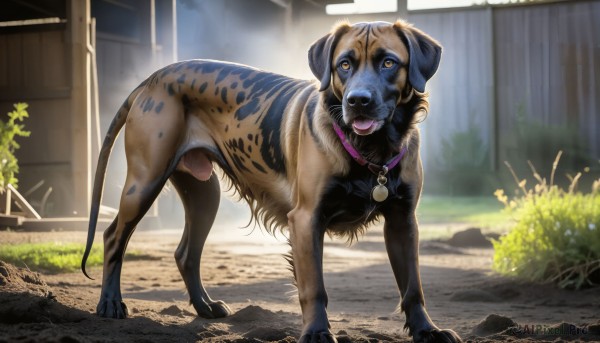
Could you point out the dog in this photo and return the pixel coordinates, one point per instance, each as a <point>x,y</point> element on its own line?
<point>312,157</point>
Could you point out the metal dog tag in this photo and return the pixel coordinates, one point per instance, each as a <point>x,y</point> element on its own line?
<point>380,192</point>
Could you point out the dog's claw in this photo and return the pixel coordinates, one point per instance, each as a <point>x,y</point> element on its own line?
<point>318,337</point>
<point>220,309</point>
<point>212,310</point>
<point>114,308</point>
<point>438,336</point>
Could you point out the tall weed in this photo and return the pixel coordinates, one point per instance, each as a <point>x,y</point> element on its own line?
<point>556,237</point>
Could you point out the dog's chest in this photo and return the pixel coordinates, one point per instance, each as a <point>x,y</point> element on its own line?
<point>347,204</point>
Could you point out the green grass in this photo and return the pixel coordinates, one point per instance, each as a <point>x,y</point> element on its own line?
<point>55,257</point>
<point>482,211</point>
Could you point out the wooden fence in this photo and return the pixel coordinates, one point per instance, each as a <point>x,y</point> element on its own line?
<point>517,73</point>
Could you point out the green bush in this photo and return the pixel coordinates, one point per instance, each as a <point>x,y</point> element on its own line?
<point>8,130</point>
<point>464,164</point>
<point>556,237</point>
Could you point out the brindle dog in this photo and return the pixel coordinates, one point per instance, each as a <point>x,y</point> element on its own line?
<point>274,139</point>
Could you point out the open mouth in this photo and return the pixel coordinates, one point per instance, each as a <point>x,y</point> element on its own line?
<point>363,126</point>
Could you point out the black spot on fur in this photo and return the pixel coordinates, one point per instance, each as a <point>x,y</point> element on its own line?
<point>205,67</point>
<point>241,96</point>
<point>243,72</point>
<point>202,87</point>
<point>193,83</point>
<point>219,109</point>
<point>234,85</point>
<point>148,105</point>
<point>131,190</point>
<point>216,91</point>
<point>241,145</point>
<point>160,134</point>
<point>181,79</point>
<point>259,167</point>
<point>250,137</point>
<point>238,163</point>
<point>159,107</point>
<point>224,95</point>
<point>271,129</point>
<point>170,89</point>
<point>226,128</point>
<point>248,109</point>
<point>223,73</point>
<point>237,146</point>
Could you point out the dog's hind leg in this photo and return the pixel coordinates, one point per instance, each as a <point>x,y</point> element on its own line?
<point>151,143</point>
<point>201,202</point>
<point>134,204</point>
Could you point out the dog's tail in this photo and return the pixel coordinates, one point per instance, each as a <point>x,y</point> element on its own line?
<point>109,140</point>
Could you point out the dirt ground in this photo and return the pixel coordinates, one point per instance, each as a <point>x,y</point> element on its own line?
<point>249,272</point>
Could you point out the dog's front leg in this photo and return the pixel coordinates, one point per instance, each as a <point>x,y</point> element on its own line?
<point>402,243</point>
<point>306,239</point>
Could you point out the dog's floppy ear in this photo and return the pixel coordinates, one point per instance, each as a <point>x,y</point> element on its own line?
<point>321,53</point>
<point>424,54</point>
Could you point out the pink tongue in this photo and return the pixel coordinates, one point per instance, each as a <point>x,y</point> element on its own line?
<point>363,124</point>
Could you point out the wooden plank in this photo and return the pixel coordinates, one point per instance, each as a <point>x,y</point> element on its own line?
<point>22,203</point>
<point>10,221</point>
<point>79,18</point>
<point>5,202</point>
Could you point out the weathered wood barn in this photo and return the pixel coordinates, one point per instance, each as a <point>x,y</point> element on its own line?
<point>68,59</point>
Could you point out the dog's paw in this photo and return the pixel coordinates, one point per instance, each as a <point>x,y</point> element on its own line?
<point>316,337</point>
<point>211,310</point>
<point>112,308</point>
<point>437,336</point>
<point>220,309</point>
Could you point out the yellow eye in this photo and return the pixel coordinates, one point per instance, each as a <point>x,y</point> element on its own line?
<point>345,65</point>
<point>388,63</point>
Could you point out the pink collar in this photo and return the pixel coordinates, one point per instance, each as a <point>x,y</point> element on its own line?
<point>374,168</point>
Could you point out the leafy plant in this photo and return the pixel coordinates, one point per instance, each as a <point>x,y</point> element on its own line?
<point>8,131</point>
<point>556,237</point>
<point>464,162</point>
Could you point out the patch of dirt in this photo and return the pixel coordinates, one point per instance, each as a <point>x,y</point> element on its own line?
<point>472,237</point>
<point>26,298</point>
<point>492,324</point>
<point>251,276</point>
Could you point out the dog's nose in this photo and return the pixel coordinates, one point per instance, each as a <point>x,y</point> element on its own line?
<point>359,98</point>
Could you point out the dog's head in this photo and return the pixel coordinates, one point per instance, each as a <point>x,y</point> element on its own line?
<point>372,68</point>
